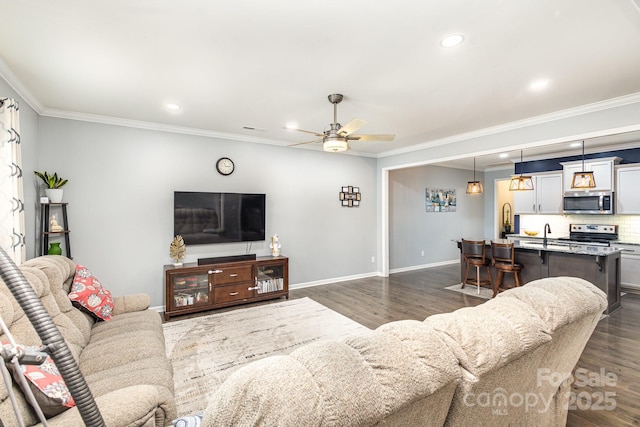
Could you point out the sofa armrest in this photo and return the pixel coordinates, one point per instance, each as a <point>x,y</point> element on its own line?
<point>130,303</point>
<point>141,405</point>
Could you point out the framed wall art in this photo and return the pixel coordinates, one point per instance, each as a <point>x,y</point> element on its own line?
<point>440,200</point>
<point>350,196</point>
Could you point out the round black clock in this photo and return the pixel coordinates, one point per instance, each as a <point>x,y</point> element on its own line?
<point>225,166</point>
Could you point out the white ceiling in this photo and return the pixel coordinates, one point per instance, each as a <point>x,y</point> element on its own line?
<point>264,64</point>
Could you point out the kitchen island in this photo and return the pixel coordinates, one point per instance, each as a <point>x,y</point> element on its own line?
<point>599,265</point>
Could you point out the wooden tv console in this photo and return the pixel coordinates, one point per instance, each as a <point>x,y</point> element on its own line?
<point>192,288</point>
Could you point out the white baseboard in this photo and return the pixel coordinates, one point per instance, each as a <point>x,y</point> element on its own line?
<point>334,280</point>
<point>420,267</point>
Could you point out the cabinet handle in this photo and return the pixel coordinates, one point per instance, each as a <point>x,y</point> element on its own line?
<point>233,294</point>
<point>254,288</point>
<point>533,207</point>
<point>233,275</point>
<point>214,271</point>
<point>539,208</point>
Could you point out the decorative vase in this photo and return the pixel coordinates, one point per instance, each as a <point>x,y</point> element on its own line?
<point>507,229</point>
<point>54,194</point>
<point>55,249</point>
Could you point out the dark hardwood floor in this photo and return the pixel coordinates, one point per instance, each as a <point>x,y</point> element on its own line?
<point>613,350</point>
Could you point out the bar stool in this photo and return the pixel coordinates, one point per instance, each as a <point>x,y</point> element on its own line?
<point>473,254</point>
<point>503,260</point>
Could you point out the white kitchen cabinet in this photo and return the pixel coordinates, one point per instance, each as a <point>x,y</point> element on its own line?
<point>602,173</point>
<point>545,198</point>
<point>629,265</point>
<point>627,195</point>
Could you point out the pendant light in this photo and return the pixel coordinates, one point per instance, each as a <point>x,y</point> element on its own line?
<point>474,187</point>
<point>522,182</point>
<point>583,179</point>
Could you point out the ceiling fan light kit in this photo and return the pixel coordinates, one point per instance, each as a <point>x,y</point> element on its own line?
<point>337,138</point>
<point>335,144</point>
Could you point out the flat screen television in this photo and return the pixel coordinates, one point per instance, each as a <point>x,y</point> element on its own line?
<point>204,218</point>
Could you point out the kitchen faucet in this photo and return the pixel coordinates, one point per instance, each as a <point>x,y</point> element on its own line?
<point>547,227</point>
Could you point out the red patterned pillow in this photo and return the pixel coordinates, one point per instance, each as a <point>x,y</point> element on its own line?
<point>46,384</point>
<point>90,295</point>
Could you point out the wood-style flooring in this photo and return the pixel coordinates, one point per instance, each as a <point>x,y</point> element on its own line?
<point>613,350</point>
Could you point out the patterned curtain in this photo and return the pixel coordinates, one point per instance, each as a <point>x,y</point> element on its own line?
<point>11,195</point>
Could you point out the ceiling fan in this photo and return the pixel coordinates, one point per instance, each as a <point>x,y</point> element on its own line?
<point>336,138</point>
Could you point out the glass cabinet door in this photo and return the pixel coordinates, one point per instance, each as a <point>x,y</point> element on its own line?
<point>270,278</point>
<point>190,289</point>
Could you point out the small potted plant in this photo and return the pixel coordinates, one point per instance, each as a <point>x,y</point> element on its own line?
<point>53,184</point>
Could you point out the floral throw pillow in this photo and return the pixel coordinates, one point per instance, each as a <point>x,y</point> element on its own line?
<point>46,384</point>
<point>88,293</point>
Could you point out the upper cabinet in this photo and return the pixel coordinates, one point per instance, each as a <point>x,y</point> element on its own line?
<point>545,198</point>
<point>627,195</point>
<point>603,170</point>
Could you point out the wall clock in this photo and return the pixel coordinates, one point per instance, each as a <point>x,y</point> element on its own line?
<point>225,166</point>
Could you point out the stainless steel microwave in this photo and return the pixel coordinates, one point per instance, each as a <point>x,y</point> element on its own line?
<point>586,202</point>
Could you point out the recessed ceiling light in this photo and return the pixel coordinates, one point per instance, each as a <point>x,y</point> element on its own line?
<point>172,107</point>
<point>539,84</point>
<point>504,155</point>
<point>291,125</point>
<point>575,144</point>
<point>451,40</point>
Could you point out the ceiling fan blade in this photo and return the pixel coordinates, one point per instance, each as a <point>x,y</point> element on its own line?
<point>351,127</point>
<point>305,131</point>
<point>380,137</point>
<point>302,143</point>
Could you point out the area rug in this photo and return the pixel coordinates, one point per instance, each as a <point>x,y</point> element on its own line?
<point>472,290</point>
<point>206,350</point>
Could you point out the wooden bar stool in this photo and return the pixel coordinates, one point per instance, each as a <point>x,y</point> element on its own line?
<point>503,260</point>
<point>473,254</point>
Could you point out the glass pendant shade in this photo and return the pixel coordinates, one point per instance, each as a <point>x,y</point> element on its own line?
<point>335,144</point>
<point>522,182</point>
<point>474,187</point>
<point>583,179</point>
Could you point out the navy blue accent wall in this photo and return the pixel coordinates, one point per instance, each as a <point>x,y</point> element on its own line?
<point>631,155</point>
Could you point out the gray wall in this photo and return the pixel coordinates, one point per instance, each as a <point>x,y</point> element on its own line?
<point>29,149</point>
<point>120,199</point>
<point>413,230</point>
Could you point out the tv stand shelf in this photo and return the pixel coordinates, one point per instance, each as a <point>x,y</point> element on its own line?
<point>192,288</point>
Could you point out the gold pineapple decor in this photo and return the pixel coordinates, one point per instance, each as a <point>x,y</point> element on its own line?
<point>177,249</point>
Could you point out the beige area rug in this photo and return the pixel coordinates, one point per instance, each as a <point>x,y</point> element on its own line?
<point>206,350</point>
<point>485,293</point>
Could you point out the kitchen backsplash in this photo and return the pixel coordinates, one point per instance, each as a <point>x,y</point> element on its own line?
<point>628,225</point>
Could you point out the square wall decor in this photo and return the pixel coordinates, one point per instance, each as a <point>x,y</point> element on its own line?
<point>440,200</point>
<point>350,196</point>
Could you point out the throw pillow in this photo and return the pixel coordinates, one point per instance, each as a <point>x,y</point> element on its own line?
<point>46,384</point>
<point>89,294</point>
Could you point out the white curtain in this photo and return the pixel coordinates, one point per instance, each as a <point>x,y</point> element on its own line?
<point>11,191</point>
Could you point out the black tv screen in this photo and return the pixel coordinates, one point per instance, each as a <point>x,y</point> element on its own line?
<point>204,218</point>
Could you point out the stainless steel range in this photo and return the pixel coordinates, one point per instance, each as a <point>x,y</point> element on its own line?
<point>593,234</point>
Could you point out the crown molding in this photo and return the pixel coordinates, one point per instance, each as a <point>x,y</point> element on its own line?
<point>16,84</point>
<point>532,121</point>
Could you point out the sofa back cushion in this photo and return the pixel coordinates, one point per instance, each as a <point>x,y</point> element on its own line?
<point>60,272</point>
<point>362,379</point>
